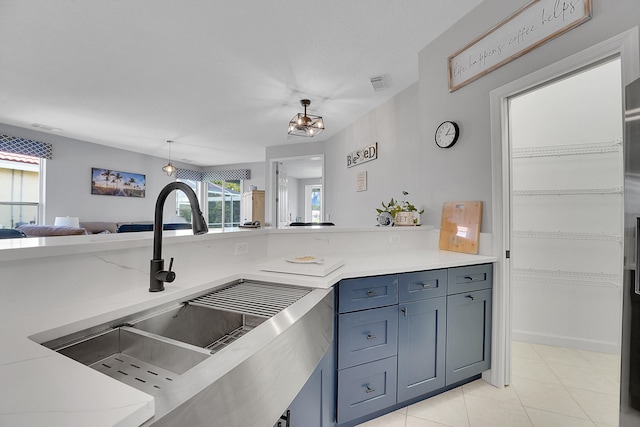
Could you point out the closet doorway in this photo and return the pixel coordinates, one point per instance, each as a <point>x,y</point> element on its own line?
<point>565,142</point>
<point>566,197</point>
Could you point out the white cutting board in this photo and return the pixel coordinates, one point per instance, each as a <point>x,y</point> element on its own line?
<point>281,265</point>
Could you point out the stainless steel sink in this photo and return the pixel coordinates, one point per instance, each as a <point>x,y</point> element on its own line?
<point>199,326</point>
<point>174,352</point>
<point>136,358</point>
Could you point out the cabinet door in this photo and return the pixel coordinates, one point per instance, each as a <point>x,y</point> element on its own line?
<point>315,404</point>
<point>421,347</point>
<point>468,334</point>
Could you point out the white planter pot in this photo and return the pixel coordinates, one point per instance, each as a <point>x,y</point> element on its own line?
<point>407,218</point>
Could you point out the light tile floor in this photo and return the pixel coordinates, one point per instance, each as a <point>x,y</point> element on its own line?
<point>551,387</point>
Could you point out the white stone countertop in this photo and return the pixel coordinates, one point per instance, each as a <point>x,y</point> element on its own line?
<point>42,388</point>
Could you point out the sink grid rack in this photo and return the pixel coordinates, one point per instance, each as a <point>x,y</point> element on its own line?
<point>229,339</point>
<point>248,298</point>
<point>252,298</point>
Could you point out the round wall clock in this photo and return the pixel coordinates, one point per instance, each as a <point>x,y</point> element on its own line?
<point>447,134</point>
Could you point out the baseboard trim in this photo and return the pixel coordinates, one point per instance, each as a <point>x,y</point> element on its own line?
<point>567,342</point>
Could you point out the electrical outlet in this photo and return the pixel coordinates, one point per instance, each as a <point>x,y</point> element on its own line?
<point>394,238</point>
<point>242,248</point>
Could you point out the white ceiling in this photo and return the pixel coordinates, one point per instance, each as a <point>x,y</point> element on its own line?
<point>220,78</point>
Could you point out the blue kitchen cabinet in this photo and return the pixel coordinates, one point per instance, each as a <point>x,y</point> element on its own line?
<point>314,406</point>
<point>421,347</point>
<point>404,336</point>
<point>469,297</point>
<point>421,332</point>
<point>367,345</point>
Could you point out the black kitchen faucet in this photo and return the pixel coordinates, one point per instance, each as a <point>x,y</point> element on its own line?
<point>158,275</point>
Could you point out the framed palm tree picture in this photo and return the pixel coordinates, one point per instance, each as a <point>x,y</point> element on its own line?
<point>107,182</point>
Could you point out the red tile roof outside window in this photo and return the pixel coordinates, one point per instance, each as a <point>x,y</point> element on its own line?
<point>19,158</point>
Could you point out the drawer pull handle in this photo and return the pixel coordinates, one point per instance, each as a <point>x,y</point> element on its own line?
<point>371,337</point>
<point>369,389</point>
<point>404,311</point>
<point>426,285</point>
<point>372,293</point>
<point>469,278</point>
<point>470,297</point>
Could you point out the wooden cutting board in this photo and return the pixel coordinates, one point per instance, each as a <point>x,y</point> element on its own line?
<point>460,226</point>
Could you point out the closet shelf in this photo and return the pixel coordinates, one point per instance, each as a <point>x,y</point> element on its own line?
<point>568,191</point>
<point>568,277</point>
<point>560,235</point>
<point>568,150</point>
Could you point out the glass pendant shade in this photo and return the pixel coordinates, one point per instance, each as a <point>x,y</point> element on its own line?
<point>169,169</point>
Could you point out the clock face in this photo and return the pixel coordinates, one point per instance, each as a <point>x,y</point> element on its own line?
<point>447,134</point>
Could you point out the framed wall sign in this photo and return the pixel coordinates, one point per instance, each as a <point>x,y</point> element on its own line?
<point>361,181</point>
<point>524,30</point>
<point>362,155</point>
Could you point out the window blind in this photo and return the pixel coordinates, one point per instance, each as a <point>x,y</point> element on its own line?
<point>27,147</point>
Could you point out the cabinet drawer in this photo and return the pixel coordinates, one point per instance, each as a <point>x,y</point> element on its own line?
<point>471,278</point>
<point>422,285</point>
<point>364,336</point>
<point>367,292</point>
<point>367,388</point>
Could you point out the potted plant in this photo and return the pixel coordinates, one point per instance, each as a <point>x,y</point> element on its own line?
<point>399,212</point>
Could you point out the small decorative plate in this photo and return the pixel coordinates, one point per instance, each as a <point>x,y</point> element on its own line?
<point>307,259</point>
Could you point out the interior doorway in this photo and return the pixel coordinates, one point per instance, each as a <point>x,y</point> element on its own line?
<point>564,227</point>
<point>561,211</point>
<point>299,189</point>
<point>626,46</point>
<point>565,143</point>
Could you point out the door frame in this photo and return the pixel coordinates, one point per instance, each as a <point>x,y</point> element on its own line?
<point>625,45</point>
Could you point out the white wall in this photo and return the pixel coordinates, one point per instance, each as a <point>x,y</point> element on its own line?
<point>464,171</point>
<point>68,174</point>
<point>394,126</point>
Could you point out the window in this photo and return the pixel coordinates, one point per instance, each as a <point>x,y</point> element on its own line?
<point>183,207</point>
<point>223,203</point>
<point>313,203</point>
<point>19,189</point>
<point>221,192</point>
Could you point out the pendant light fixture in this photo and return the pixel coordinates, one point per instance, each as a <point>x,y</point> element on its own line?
<point>169,169</point>
<point>304,124</point>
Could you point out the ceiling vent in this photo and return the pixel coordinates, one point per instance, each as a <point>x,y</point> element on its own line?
<point>379,83</point>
